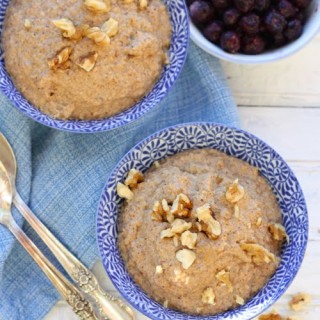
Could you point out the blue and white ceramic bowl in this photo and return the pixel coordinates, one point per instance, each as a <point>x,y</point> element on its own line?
<point>234,142</point>
<point>177,55</point>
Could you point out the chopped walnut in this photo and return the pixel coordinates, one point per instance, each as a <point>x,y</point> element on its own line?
<point>143,4</point>
<point>165,304</point>
<point>157,212</point>
<point>166,233</point>
<point>189,239</point>
<point>161,212</point>
<point>209,225</point>
<point>178,226</point>
<point>98,36</point>
<point>124,192</point>
<point>224,277</point>
<point>98,6</point>
<point>66,26</point>
<point>134,178</point>
<point>186,257</point>
<point>299,301</point>
<point>159,269</point>
<point>258,222</point>
<point>110,27</point>
<point>235,192</point>
<point>278,232</point>
<point>218,180</point>
<point>88,62</point>
<point>61,59</point>
<point>176,241</point>
<point>181,206</point>
<point>208,297</point>
<point>270,316</point>
<point>258,253</point>
<point>27,24</point>
<point>180,276</point>
<point>236,211</point>
<point>239,300</point>
<point>81,32</point>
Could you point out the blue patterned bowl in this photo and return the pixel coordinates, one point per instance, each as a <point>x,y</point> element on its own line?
<point>234,142</point>
<point>177,53</point>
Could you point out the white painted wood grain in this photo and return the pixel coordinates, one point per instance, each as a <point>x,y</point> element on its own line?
<point>293,81</point>
<point>295,134</point>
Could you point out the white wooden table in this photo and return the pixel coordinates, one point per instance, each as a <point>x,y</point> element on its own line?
<point>280,103</point>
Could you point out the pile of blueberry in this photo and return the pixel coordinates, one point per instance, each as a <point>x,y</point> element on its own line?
<point>249,26</point>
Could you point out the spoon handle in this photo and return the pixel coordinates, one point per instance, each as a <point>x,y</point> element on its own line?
<point>106,306</point>
<point>79,305</point>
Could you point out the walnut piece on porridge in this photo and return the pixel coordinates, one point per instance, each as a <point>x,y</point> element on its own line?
<point>186,257</point>
<point>208,296</point>
<point>124,192</point>
<point>143,4</point>
<point>161,211</point>
<point>270,316</point>
<point>98,6</point>
<point>66,26</point>
<point>88,61</point>
<point>224,277</point>
<point>181,206</point>
<point>110,27</point>
<point>61,59</point>
<point>299,301</point>
<point>235,192</point>
<point>258,254</point>
<point>189,239</point>
<point>278,232</point>
<point>81,32</point>
<point>239,300</point>
<point>209,225</point>
<point>159,269</point>
<point>98,36</point>
<point>134,178</point>
<point>258,222</point>
<point>178,226</point>
<point>27,24</point>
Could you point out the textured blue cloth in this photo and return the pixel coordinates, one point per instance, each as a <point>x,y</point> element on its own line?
<point>61,175</point>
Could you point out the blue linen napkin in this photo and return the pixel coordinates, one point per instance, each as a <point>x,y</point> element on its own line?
<point>61,175</point>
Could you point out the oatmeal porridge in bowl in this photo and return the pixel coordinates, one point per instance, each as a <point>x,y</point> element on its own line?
<point>94,65</point>
<point>202,220</point>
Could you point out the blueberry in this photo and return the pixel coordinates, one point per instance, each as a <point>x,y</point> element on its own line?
<point>293,30</point>
<point>250,23</point>
<point>286,8</point>
<point>244,5</point>
<point>213,31</point>
<point>302,3</point>
<point>231,16</point>
<point>230,42</point>
<point>253,44</point>
<point>261,5</point>
<point>201,12</point>
<point>220,4</point>
<point>275,22</point>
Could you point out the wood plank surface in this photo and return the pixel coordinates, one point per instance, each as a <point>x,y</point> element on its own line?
<point>294,133</point>
<point>293,81</point>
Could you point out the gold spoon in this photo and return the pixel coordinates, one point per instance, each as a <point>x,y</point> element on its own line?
<point>106,306</point>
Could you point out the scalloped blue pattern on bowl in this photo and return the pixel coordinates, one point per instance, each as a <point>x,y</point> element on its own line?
<point>234,142</point>
<point>177,53</point>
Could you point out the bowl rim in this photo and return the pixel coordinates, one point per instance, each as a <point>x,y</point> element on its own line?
<point>267,57</point>
<point>148,102</point>
<point>276,294</point>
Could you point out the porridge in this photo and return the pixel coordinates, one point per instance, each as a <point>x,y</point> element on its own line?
<point>85,59</point>
<point>200,232</point>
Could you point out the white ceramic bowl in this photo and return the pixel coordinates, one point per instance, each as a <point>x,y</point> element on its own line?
<point>311,28</point>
